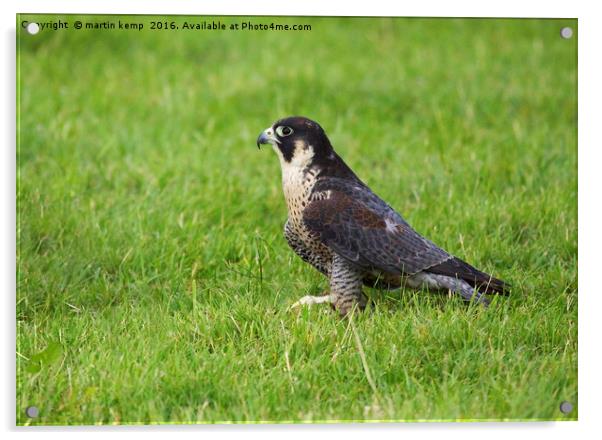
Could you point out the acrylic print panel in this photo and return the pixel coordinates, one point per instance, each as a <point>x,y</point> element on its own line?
<point>154,281</point>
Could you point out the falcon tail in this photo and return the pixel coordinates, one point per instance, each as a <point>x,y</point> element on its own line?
<point>483,282</point>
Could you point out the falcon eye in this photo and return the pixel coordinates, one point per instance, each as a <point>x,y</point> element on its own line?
<point>284,131</point>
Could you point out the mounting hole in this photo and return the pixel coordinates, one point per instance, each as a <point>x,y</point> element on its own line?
<point>32,412</point>
<point>566,407</point>
<point>33,28</point>
<point>566,32</point>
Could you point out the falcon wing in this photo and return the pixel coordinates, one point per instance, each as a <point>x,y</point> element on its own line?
<point>355,223</point>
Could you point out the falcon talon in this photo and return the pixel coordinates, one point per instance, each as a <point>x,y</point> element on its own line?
<point>349,234</point>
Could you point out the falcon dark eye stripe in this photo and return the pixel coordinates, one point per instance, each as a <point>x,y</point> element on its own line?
<point>339,226</point>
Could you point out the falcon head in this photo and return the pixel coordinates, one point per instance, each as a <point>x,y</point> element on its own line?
<point>298,141</point>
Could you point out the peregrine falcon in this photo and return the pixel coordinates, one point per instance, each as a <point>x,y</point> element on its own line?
<point>339,226</point>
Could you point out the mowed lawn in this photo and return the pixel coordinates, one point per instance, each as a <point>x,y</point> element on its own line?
<point>153,278</point>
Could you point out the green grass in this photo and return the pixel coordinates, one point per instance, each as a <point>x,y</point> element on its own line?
<point>153,278</point>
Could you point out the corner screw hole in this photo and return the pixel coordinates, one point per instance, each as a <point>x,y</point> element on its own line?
<point>566,33</point>
<point>32,412</point>
<point>33,28</point>
<point>566,407</point>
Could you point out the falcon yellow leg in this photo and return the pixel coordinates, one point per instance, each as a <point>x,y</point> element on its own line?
<point>346,282</point>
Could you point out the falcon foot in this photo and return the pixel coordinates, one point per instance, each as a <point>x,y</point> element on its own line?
<point>309,300</point>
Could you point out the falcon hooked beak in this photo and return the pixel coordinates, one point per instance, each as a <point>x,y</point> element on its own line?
<point>267,136</point>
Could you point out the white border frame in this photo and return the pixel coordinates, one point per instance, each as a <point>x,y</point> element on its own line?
<point>590,143</point>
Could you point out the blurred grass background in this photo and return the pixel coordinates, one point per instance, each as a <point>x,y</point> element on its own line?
<point>153,278</point>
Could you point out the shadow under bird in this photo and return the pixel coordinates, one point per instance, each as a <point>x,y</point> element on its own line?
<point>339,226</point>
